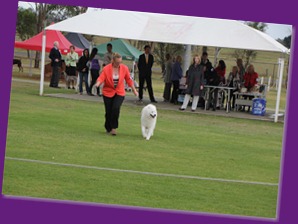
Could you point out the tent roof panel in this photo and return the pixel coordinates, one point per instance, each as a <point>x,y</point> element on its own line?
<point>35,42</point>
<point>127,51</point>
<point>78,40</point>
<point>170,29</point>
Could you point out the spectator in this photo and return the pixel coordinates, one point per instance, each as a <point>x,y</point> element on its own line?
<point>241,70</point>
<point>195,80</point>
<point>71,62</point>
<point>113,76</point>
<point>212,79</point>
<point>221,71</point>
<point>145,64</point>
<point>83,71</point>
<point>208,65</point>
<point>250,80</point>
<point>94,65</point>
<point>176,75</point>
<point>233,81</point>
<point>167,78</point>
<point>55,57</point>
<point>108,55</point>
<point>205,61</point>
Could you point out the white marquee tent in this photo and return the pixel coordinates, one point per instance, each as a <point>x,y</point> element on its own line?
<point>170,29</point>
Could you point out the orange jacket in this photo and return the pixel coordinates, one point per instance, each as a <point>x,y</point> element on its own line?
<point>106,77</point>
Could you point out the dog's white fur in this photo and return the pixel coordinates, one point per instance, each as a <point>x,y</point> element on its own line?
<point>148,120</point>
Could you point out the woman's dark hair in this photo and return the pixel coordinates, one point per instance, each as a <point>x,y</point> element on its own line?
<point>86,50</point>
<point>222,64</point>
<point>93,53</point>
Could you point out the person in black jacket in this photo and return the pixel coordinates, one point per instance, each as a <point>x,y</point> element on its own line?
<point>212,79</point>
<point>55,57</point>
<point>83,70</point>
<point>145,64</point>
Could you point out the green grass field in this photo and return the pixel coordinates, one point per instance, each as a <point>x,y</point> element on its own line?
<point>63,131</point>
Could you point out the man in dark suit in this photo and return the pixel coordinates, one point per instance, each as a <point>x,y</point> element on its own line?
<point>55,57</point>
<point>145,63</point>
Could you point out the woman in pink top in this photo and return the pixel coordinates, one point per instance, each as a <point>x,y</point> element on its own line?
<point>113,76</point>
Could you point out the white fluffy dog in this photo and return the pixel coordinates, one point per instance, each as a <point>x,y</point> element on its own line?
<point>148,120</point>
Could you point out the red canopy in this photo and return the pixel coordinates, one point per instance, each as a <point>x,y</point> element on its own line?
<point>35,42</point>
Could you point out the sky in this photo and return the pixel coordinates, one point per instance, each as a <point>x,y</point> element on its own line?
<point>274,30</point>
<point>278,30</point>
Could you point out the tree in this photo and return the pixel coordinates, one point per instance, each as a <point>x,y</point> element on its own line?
<point>161,49</point>
<point>45,14</point>
<point>258,26</point>
<point>248,55</point>
<point>26,23</point>
<point>286,41</point>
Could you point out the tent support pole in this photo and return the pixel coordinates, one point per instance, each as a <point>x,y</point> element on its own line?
<point>43,51</point>
<point>186,58</point>
<point>281,62</point>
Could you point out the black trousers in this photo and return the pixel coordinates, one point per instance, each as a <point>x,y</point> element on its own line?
<point>167,91</point>
<point>55,76</point>
<point>213,99</point>
<point>142,79</point>
<point>233,97</point>
<point>94,75</point>
<point>175,92</point>
<point>112,107</point>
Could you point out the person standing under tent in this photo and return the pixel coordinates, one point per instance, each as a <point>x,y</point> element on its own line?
<point>204,60</point>
<point>145,64</point>
<point>71,62</point>
<point>175,77</point>
<point>195,84</point>
<point>55,57</point>
<point>241,70</point>
<point>250,81</point>
<point>233,81</point>
<point>94,65</point>
<point>212,79</point>
<point>107,58</point>
<point>114,76</point>
<point>221,71</point>
<point>167,78</point>
<point>83,71</point>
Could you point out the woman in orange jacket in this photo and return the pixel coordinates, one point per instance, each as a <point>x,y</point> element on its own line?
<point>113,76</point>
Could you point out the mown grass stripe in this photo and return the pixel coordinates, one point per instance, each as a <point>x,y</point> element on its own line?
<point>141,172</point>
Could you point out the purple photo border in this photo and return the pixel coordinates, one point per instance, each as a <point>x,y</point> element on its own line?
<point>24,210</point>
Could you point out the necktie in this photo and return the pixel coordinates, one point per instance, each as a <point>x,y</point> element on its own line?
<point>146,58</point>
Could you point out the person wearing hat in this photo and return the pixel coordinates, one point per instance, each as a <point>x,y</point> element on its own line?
<point>145,64</point>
